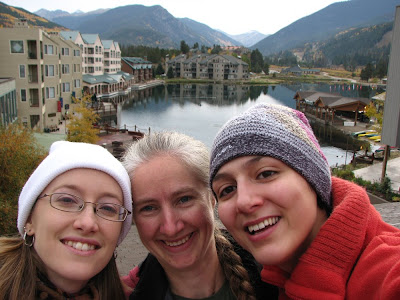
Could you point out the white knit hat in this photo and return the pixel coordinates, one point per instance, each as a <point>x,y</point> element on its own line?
<point>64,156</point>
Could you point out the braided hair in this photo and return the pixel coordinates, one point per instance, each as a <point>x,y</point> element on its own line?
<point>232,266</point>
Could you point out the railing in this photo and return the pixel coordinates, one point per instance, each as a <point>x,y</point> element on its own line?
<point>32,78</point>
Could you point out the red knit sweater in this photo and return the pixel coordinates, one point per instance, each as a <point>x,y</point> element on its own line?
<point>356,255</point>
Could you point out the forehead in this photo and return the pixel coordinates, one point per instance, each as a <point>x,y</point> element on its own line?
<point>163,174</point>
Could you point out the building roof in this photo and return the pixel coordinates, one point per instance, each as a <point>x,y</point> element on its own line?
<point>106,78</point>
<point>381,97</point>
<point>90,38</point>
<point>137,63</point>
<point>69,35</point>
<point>107,43</point>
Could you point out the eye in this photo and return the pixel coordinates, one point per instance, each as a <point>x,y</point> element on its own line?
<point>265,174</point>
<point>226,191</point>
<point>108,209</point>
<point>147,208</point>
<point>65,200</point>
<point>184,199</point>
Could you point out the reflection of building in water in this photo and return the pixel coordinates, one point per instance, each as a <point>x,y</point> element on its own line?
<point>214,94</point>
<point>205,66</point>
<point>109,109</point>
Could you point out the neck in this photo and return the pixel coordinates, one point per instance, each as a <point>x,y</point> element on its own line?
<point>289,265</point>
<point>208,271</point>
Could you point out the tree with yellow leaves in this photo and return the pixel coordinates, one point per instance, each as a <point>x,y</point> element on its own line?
<point>372,113</point>
<point>20,154</point>
<point>80,124</point>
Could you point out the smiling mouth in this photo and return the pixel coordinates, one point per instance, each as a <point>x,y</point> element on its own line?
<point>180,242</point>
<point>80,246</point>
<point>256,228</point>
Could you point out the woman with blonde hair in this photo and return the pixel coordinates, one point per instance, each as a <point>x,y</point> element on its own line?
<point>173,209</point>
<point>72,213</point>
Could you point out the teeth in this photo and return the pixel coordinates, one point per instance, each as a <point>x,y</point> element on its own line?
<point>263,224</point>
<point>177,243</point>
<point>80,246</point>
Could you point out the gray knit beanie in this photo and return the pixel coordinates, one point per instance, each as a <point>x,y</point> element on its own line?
<point>279,132</point>
<point>64,156</point>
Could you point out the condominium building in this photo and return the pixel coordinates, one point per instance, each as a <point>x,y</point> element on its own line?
<point>47,71</point>
<point>8,101</point>
<point>204,66</point>
<point>140,68</point>
<point>112,57</point>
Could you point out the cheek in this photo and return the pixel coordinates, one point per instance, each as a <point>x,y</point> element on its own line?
<point>226,214</point>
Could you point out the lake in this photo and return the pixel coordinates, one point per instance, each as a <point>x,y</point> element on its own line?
<point>199,110</point>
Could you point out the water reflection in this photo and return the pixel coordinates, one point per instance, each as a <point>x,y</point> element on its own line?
<point>200,110</point>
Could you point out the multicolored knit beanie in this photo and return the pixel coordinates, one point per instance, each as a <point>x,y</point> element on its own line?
<point>279,132</point>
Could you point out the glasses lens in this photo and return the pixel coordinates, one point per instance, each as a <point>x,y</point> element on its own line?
<point>66,202</point>
<point>111,211</point>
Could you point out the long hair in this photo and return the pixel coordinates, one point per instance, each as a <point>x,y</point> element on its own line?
<point>195,156</point>
<point>19,265</point>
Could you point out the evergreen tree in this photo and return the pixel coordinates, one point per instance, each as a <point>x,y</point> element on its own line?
<point>160,70</point>
<point>170,73</point>
<point>184,47</point>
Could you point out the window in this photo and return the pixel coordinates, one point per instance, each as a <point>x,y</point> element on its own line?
<point>65,69</point>
<point>65,51</point>
<point>48,49</point>
<point>77,83</point>
<point>21,71</point>
<point>49,70</point>
<point>23,95</point>
<point>17,46</point>
<point>50,93</point>
<point>77,53</point>
<point>77,68</point>
<point>66,87</point>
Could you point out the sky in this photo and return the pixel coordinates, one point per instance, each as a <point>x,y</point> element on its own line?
<point>230,16</point>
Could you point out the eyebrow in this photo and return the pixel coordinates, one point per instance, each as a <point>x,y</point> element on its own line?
<point>246,164</point>
<point>182,191</point>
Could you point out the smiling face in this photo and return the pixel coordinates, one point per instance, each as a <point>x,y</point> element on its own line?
<point>75,246</point>
<point>173,213</point>
<point>269,208</point>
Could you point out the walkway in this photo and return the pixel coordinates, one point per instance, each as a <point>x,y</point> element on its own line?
<point>373,172</point>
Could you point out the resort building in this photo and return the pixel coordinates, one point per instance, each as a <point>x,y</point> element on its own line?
<point>8,101</point>
<point>204,66</point>
<point>140,68</point>
<point>47,72</point>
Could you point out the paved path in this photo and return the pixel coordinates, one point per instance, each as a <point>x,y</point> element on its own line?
<point>374,172</point>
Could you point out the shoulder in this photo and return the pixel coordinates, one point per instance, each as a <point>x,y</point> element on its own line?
<point>377,272</point>
<point>152,283</point>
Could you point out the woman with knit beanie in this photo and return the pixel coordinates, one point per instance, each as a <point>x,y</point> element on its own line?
<point>317,236</point>
<point>72,213</point>
<point>173,210</point>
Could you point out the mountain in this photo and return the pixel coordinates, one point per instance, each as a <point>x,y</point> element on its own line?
<point>9,14</point>
<point>145,25</point>
<point>55,14</point>
<point>250,38</point>
<point>209,36</point>
<point>327,22</point>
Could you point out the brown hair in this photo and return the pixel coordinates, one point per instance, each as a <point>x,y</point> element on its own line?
<point>233,268</point>
<point>19,265</point>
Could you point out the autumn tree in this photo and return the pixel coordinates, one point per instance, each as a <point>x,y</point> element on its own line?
<point>20,154</point>
<point>372,113</point>
<point>80,125</point>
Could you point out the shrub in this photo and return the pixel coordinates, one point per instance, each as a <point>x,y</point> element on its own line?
<point>19,156</point>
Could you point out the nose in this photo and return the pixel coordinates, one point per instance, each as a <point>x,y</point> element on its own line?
<point>87,220</point>
<point>171,223</point>
<point>249,197</point>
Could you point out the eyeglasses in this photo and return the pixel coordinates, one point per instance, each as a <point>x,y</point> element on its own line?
<point>70,203</point>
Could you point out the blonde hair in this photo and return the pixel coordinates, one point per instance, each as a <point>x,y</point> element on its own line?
<point>195,156</point>
<point>19,265</point>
